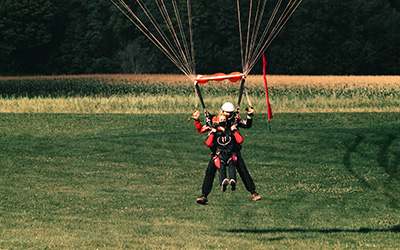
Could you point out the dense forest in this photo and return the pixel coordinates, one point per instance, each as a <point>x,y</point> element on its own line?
<point>323,37</point>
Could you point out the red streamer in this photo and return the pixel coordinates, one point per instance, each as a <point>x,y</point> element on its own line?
<point>269,110</point>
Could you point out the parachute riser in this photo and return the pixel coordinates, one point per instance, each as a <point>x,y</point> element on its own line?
<point>206,113</point>
<point>236,114</point>
<point>240,94</point>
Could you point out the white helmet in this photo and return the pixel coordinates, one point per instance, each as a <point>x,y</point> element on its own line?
<point>228,107</point>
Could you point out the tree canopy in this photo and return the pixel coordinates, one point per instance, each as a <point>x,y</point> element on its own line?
<point>355,37</point>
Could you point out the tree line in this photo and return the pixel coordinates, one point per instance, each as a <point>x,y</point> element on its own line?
<point>324,37</point>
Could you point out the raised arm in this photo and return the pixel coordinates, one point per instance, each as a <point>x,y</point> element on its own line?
<point>201,128</point>
<point>247,123</point>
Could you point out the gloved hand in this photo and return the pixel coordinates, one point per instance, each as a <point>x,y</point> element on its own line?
<point>250,111</point>
<point>196,115</point>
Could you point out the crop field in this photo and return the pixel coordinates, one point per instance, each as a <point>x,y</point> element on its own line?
<point>175,94</point>
<point>112,162</point>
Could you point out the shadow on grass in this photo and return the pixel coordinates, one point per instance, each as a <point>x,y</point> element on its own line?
<point>390,167</point>
<point>394,229</point>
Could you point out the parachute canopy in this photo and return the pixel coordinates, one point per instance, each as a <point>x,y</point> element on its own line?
<point>168,24</point>
<point>232,77</point>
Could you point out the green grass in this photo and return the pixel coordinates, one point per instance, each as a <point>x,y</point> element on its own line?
<point>112,181</point>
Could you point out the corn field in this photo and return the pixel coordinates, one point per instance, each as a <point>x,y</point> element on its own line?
<point>175,94</point>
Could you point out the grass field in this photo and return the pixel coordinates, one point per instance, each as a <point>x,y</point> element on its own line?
<point>129,181</point>
<point>112,162</point>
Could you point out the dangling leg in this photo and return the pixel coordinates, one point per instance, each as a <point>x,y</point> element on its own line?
<point>207,182</point>
<point>209,177</point>
<point>246,178</point>
<point>232,174</point>
<point>222,176</point>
